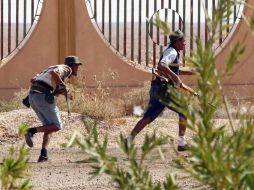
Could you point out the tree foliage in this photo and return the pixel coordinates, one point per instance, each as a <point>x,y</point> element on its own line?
<point>14,170</point>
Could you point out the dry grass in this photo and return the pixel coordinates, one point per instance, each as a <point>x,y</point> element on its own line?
<point>136,97</point>
<point>14,103</point>
<point>93,105</point>
<point>101,105</point>
<point>98,103</point>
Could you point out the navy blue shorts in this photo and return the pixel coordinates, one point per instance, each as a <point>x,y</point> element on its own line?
<point>156,106</point>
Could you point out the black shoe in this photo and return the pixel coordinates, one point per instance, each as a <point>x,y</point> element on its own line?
<point>28,138</point>
<point>43,158</point>
<point>182,148</point>
<point>44,155</point>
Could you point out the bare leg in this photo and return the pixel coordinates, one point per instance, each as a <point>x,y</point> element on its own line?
<point>140,125</point>
<point>47,128</point>
<point>182,127</point>
<point>45,140</point>
<point>44,153</point>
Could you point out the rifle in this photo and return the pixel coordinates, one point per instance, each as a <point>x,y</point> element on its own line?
<point>161,75</point>
<point>68,102</point>
<point>61,89</point>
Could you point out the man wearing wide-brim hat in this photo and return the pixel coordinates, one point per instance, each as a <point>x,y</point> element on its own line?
<point>174,36</point>
<point>168,69</point>
<point>44,87</point>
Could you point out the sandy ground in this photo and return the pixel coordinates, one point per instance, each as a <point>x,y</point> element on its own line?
<point>62,171</point>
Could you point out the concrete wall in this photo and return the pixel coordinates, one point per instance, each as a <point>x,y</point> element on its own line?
<point>36,53</point>
<point>241,83</point>
<point>58,34</point>
<point>98,58</point>
<point>65,28</point>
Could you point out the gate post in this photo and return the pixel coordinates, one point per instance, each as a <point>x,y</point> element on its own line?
<point>66,29</point>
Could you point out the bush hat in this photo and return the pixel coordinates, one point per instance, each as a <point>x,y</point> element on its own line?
<point>178,34</point>
<point>72,60</point>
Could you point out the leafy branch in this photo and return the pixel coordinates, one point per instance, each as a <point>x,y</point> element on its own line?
<point>132,175</point>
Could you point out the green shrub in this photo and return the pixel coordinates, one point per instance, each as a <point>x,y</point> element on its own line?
<point>14,170</point>
<point>220,156</point>
<point>132,175</point>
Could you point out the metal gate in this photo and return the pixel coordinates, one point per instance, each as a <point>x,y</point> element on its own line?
<point>16,20</point>
<point>125,25</point>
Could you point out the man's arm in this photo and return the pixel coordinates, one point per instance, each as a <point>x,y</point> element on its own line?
<point>188,71</point>
<point>61,86</point>
<point>161,75</point>
<point>60,90</point>
<point>188,89</point>
<point>168,73</point>
<point>57,78</point>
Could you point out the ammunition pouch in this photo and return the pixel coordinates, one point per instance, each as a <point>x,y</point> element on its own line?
<point>41,88</point>
<point>25,101</point>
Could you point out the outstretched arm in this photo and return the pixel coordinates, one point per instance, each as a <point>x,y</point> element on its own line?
<point>188,89</point>
<point>191,71</point>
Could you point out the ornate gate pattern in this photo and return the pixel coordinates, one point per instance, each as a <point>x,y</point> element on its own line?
<point>125,24</point>
<point>16,20</point>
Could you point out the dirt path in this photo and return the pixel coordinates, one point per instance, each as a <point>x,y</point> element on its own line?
<point>62,171</point>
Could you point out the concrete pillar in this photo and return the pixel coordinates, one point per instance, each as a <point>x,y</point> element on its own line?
<point>66,29</point>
